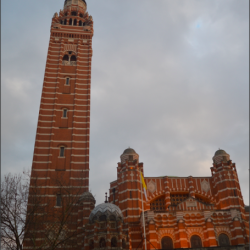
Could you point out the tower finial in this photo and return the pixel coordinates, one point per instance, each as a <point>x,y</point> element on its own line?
<point>106,198</point>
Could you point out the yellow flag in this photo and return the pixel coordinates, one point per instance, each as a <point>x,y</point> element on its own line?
<point>144,186</point>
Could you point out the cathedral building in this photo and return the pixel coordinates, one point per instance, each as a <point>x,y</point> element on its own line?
<point>180,212</point>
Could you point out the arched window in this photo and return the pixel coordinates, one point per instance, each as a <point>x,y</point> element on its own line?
<point>65,111</point>
<point>224,240</point>
<point>112,218</point>
<point>75,22</point>
<point>70,21</point>
<point>73,58</point>
<point>58,200</point>
<point>114,242</point>
<point>65,21</point>
<point>73,13</point>
<point>102,243</point>
<point>61,21</point>
<point>103,218</point>
<point>91,244</point>
<point>67,81</point>
<point>81,15</point>
<point>62,151</point>
<point>166,243</point>
<point>65,58</point>
<point>123,244</point>
<point>83,24</point>
<point>196,241</point>
<point>80,23</point>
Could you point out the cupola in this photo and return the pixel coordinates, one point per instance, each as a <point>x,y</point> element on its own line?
<point>129,154</point>
<point>220,155</point>
<point>106,212</point>
<point>75,3</point>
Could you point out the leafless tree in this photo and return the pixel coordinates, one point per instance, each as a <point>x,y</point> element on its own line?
<point>29,218</point>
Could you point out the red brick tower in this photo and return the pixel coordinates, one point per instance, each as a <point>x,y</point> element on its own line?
<point>62,139</point>
<point>61,153</point>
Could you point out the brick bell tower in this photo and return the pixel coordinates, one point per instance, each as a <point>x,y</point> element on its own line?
<point>61,152</point>
<point>62,138</point>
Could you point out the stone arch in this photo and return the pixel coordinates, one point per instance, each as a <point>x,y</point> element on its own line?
<point>195,231</point>
<point>224,240</point>
<point>114,242</point>
<point>167,243</point>
<point>222,230</point>
<point>166,233</point>
<point>195,241</point>
<point>102,242</point>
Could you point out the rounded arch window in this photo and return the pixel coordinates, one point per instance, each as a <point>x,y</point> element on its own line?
<point>102,243</point>
<point>114,242</point>
<point>112,218</point>
<point>73,58</point>
<point>224,240</point>
<point>70,21</point>
<point>75,22</point>
<point>196,242</point>
<point>73,13</point>
<point>81,15</point>
<point>65,58</point>
<point>65,21</point>
<point>103,218</point>
<point>91,244</point>
<point>166,243</point>
<point>80,23</point>
<point>123,244</point>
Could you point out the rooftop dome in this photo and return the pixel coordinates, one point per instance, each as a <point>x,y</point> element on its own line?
<point>129,151</point>
<point>221,155</point>
<point>70,0</point>
<point>105,211</point>
<point>220,152</point>
<point>86,196</point>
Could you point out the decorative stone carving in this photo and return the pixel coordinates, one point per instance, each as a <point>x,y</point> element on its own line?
<point>205,186</point>
<point>151,186</point>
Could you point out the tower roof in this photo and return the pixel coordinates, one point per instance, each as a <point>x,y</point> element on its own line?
<point>129,151</point>
<point>71,0</point>
<point>111,211</point>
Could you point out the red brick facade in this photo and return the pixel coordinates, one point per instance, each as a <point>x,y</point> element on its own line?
<point>209,208</point>
<point>181,212</point>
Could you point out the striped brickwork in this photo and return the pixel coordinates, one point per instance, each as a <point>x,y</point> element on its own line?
<point>208,207</point>
<point>51,169</point>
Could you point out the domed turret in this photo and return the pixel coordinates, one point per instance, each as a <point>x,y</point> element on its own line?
<point>220,155</point>
<point>77,3</point>
<point>87,196</point>
<point>130,155</point>
<point>104,212</point>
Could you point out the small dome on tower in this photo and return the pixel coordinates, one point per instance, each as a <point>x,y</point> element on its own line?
<point>130,155</point>
<point>87,196</point>
<point>104,212</point>
<point>220,155</point>
<point>129,151</point>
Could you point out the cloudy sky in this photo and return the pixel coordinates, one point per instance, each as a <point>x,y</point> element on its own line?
<point>170,79</point>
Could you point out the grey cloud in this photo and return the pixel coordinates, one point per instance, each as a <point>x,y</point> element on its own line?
<point>173,91</point>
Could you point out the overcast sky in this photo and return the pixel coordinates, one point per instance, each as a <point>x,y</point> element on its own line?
<point>169,79</point>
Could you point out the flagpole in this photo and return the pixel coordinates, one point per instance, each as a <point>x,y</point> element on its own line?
<point>143,219</point>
